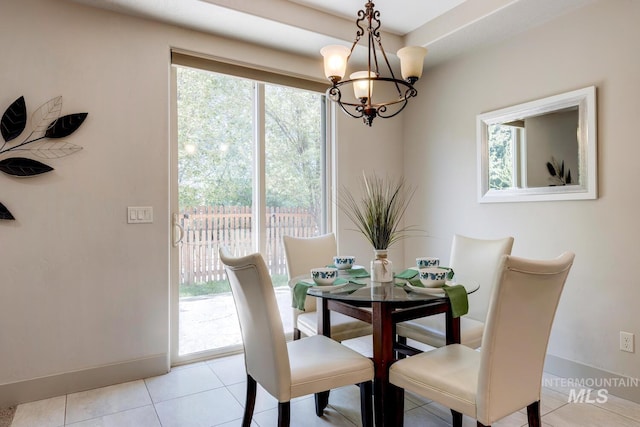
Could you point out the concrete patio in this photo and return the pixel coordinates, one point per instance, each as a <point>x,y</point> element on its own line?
<point>210,322</point>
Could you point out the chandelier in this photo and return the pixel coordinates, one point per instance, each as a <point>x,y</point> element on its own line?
<point>397,92</point>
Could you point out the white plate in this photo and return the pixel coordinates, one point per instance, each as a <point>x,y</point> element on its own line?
<point>325,287</point>
<point>330,288</point>
<point>346,272</point>
<point>429,291</point>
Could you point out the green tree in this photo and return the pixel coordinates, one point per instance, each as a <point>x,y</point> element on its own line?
<point>215,137</point>
<point>293,150</point>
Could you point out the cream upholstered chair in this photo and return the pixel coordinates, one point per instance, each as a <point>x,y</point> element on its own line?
<point>472,260</point>
<point>506,374</point>
<point>303,254</point>
<point>287,370</point>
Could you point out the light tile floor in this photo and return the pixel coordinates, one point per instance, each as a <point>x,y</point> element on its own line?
<point>211,393</point>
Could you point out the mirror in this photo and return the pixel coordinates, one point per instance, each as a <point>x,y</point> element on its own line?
<point>540,150</point>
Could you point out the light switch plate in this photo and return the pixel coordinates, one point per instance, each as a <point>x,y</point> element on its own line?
<point>139,214</point>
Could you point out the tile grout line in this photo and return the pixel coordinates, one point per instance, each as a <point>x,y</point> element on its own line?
<point>153,404</point>
<point>66,400</point>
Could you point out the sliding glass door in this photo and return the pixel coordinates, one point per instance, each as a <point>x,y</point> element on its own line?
<point>250,167</point>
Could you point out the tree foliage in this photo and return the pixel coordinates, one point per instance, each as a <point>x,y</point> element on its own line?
<point>216,142</point>
<point>500,157</point>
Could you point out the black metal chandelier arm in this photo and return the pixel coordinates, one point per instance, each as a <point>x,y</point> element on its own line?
<point>383,110</point>
<point>353,46</point>
<point>335,95</point>
<point>361,17</point>
<point>410,93</point>
<point>408,86</point>
<point>376,70</point>
<point>376,18</point>
<point>386,60</point>
<point>358,108</point>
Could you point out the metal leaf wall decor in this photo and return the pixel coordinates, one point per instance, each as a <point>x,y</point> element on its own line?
<point>47,128</point>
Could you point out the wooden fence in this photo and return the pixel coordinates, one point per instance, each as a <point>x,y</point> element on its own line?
<point>206,228</point>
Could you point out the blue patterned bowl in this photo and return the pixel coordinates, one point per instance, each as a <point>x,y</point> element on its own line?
<point>324,276</point>
<point>344,262</point>
<point>433,277</point>
<point>425,262</point>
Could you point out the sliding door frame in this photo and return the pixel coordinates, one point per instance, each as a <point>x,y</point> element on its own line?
<point>259,199</point>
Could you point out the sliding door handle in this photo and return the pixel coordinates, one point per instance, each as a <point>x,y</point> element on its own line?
<point>177,231</point>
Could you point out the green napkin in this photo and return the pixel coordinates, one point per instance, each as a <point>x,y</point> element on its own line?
<point>415,282</point>
<point>358,273</point>
<point>409,273</point>
<point>458,297</point>
<point>457,294</point>
<point>299,293</point>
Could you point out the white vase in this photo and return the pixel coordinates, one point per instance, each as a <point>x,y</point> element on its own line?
<point>381,267</point>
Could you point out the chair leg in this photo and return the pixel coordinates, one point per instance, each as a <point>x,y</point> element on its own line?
<point>366,406</point>
<point>533,414</point>
<point>403,341</point>
<point>296,334</point>
<point>322,400</point>
<point>250,401</point>
<point>397,403</point>
<point>284,414</point>
<point>456,418</point>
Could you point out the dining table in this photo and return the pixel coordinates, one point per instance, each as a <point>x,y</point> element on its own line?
<point>383,305</point>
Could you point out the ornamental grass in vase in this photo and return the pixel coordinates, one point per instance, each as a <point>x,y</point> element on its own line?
<point>378,214</point>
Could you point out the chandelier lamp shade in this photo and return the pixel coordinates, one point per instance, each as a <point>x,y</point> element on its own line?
<point>396,92</point>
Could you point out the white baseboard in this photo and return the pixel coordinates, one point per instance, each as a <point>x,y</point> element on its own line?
<point>615,384</point>
<point>86,379</point>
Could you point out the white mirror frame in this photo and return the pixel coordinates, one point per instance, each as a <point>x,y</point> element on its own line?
<point>586,188</point>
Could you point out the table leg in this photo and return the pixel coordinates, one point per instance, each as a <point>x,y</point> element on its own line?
<point>324,328</point>
<point>324,318</point>
<point>453,328</point>
<point>383,336</point>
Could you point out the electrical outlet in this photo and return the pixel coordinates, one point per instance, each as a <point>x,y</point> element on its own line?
<point>626,341</point>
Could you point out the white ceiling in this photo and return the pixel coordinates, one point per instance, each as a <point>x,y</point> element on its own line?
<point>445,27</point>
<point>399,17</point>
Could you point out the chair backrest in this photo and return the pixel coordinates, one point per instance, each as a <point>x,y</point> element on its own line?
<point>305,253</point>
<point>265,347</point>
<point>521,311</point>
<point>477,260</point>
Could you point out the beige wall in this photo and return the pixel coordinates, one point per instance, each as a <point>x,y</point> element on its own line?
<point>82,290</point>
<point>597,46</point>
<point>365,150</point>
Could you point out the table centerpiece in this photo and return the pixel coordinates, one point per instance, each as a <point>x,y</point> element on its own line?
<point>378,215</point>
